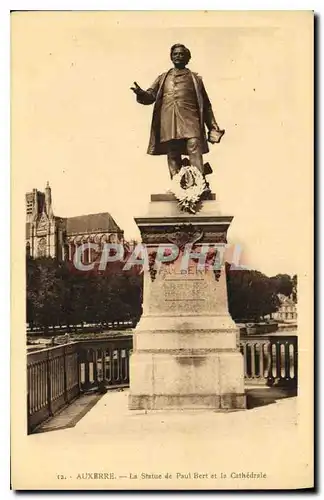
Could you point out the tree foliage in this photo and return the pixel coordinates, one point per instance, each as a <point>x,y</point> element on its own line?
<point>57,295</point>
<point>251,294</point>
<point>283,284</point>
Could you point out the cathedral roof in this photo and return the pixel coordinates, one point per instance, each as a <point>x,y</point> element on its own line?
<point>102,222</point>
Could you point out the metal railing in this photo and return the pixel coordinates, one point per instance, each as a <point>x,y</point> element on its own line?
<point>270,360</point>
<point>80,328</point>
<point>52,381</point>
<point>105,362</point>
<point>57,375</point>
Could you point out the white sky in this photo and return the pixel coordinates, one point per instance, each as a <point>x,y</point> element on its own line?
<point>76,123</point>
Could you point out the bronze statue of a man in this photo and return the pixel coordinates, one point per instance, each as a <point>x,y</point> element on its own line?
<point>182,110</point>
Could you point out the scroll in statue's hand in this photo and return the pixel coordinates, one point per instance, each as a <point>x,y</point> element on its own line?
<point>215,135</point>
<point>137,89</point>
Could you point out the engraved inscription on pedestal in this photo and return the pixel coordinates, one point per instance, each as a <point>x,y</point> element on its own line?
<point>190,291</point>
<point>183,296</point>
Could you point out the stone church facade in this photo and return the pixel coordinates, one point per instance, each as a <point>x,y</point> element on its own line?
<point>48,235</point>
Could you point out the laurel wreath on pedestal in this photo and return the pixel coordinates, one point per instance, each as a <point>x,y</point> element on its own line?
<point>188,185</point>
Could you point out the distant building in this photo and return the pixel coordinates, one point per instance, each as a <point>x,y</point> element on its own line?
<point>287,310</point>
<point>48,235</point>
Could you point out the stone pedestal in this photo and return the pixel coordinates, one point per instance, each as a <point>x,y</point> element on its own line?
<point>186,345</point>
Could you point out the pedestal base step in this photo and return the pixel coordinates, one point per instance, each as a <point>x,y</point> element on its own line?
<point>187,401</point>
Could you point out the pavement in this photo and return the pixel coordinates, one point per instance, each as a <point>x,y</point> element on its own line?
<point>259,448</point>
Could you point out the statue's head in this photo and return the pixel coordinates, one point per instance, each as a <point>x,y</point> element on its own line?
<point>180,55</point>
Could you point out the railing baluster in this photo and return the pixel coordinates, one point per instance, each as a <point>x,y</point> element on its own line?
<point>116,362</point>
<point>57,380</point>
<point>111,365</point>
<point>124,365</point>
<point>62,374</point>
<point>287,361</point>
<point>273,365</point>
<point>257,360</point>
<point>65,374</point>
<point>245,359</point>
<point>53,378</point>
<point>115,365</point>
<point>31,382</point>
<point>61,365</point>
<point>40,371</point>
<point>262,346</point>
<point>86,369</point>
<point>291,361</point>
<point>278,359</point>
<point>43,385</point>
<point>125,361</point>
<point>103,364</point>
<point>95,367</point>
<point>119,365</point>
<point>36,387</point>
<point>99,365</point>
<point>253,355</point>
<point>49,385</point>
<point>283,360</point>
<point>28,413</point>
<point>296,361</point>
<point>39,386</point>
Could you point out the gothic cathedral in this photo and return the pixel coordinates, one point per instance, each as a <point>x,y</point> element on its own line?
<point>48,235</point>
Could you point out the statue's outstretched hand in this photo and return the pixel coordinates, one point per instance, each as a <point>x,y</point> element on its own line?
<point>137,89</point>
